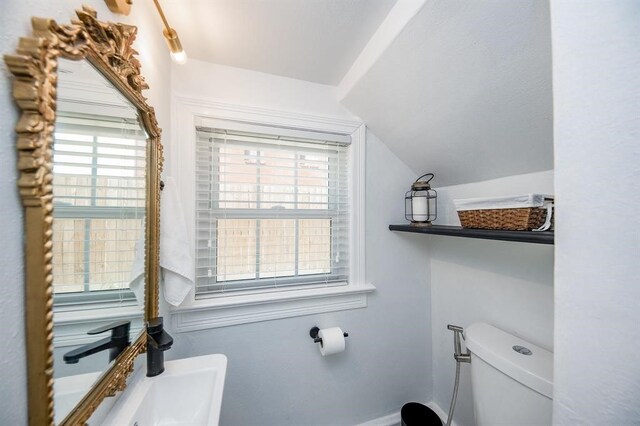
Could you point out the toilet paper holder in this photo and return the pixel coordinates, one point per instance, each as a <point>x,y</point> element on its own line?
<point>314,335</point>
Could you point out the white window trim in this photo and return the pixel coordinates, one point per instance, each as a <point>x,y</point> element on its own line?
<point>224,310</point>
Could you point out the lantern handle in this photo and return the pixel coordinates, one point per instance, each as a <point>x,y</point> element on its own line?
<point>426,174</point>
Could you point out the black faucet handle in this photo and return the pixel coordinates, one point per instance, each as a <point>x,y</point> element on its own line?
<point>118,329</point>
<point>158,337</point>
<point>155,325</point>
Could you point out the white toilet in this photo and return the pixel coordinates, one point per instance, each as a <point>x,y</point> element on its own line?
<point>512,379</point>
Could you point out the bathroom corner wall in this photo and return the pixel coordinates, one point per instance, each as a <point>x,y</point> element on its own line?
<point>15,22</point>
<point>596,87</point>
<point>276,375</point>
<point>506,284</point>
<point>464,90</point>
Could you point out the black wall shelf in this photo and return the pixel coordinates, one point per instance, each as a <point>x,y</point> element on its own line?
<point>544,237</point>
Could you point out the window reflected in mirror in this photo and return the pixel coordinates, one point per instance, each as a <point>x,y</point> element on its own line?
<point>99,199</point>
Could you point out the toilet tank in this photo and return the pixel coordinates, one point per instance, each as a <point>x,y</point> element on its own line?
<point>511,379</point>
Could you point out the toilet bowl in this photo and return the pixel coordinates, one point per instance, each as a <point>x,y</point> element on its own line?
<point>511,379</point>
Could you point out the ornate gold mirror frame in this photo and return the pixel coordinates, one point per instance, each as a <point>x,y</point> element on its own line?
<point>108,47</point>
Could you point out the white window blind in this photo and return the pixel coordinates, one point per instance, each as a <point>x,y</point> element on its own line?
<point>99,185</point>
<point>272,210</point>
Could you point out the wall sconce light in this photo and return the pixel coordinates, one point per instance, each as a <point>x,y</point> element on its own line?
<point>178,54</point>
<point>122,7</point>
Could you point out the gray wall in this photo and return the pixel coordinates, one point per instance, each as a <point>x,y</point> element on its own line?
<point>15,22</point>
<point>13,402</point>
<point>465,91</point>
<point>597,149</point>
<point>506,284</point>
<point>276,375</point>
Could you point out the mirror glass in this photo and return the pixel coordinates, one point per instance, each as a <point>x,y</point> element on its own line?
<point>99,187</point>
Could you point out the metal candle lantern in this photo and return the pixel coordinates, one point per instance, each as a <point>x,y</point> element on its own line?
<point>420,206</point>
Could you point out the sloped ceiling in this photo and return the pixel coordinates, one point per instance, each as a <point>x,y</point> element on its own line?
<point>308,40</point>
<point>464,91</point>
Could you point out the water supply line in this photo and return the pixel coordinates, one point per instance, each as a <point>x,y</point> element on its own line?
<point>460,357</point>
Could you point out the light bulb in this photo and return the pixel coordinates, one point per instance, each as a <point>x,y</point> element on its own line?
<point>179,57</point>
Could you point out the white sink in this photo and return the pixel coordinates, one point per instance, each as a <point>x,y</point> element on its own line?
<point>189,392</point>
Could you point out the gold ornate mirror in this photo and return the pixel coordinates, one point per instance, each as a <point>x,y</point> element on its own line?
<point>89,160</point>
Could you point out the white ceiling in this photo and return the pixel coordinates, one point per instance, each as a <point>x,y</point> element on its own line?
<point>464,91</point>
<point>460,88</point>
<point>313,40</point>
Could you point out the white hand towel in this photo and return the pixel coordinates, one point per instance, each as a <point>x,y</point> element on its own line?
<point>137,270</point>
<point>176,258</point>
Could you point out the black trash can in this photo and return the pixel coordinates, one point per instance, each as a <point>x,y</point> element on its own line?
<point>416,414</point>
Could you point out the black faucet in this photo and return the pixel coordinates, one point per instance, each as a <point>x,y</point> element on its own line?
<point>158,341</point>
<point>117,343</point>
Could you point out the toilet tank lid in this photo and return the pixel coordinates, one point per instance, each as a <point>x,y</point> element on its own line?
<point>495,347</point>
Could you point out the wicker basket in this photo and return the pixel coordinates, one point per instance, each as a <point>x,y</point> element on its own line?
<point>520,219</point>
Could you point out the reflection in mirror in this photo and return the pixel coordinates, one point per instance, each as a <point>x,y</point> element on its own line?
<point>99,187</point>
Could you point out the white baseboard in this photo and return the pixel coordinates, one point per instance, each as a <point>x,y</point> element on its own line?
<point>394,419</point>
<point>440,412</point>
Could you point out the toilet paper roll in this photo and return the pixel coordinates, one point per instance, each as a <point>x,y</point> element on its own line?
<point>332,340</point>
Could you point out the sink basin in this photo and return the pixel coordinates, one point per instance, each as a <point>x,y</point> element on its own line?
<point>189,392</point>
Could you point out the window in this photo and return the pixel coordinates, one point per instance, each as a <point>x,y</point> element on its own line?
<point>272,209</point>
<point>274,203</point>
<point>99,206</point>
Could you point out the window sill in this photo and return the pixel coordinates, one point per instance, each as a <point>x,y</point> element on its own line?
<point>247,308</point>
<point>71,323</point>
